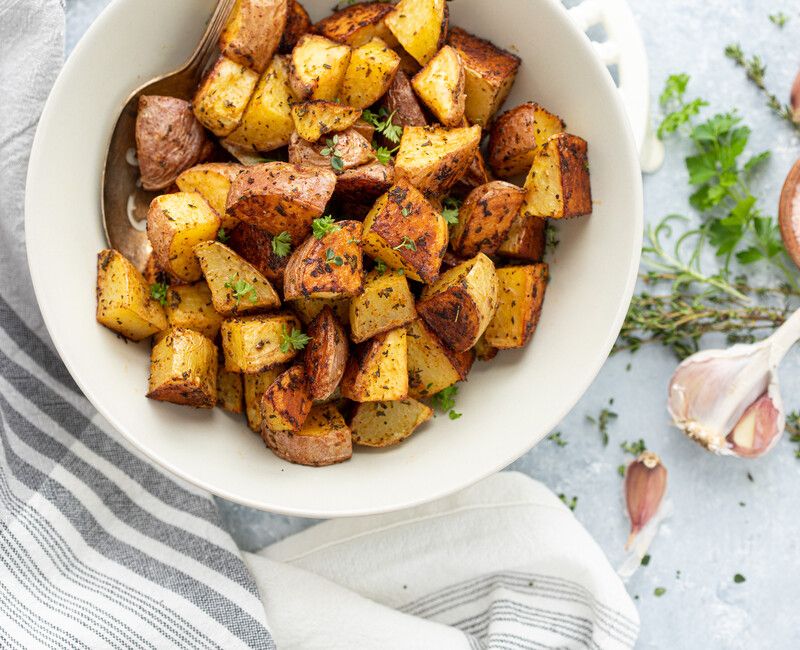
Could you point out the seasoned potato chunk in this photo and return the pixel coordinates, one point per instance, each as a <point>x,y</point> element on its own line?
<point>222,97</point>
<point>124,303</point>
<point>527,239</point>
<point>314,119</point>
<point>230,392</point>
<point>327,267</point>
<point>432,366</point>
<point>267,121</point>
<point>485,218</point>
<point>286,404</point>
<point>326,354</point>
<point>477,174</point>
<point>490,74</point>
<point>183,369</point>
<point>460,304</point>
<point>433,158</point>
<point>364,183</point>
<point>298,23</point>
<point>253,32</point>
<point>369,74</point>
<point>519,305</point>
<point>212,181</point>
<point>255,343</point>
<point>256,246</point>
<point>420,26</point>
<point>308,309</point>
<point>405,232</point>
<point>378,369</point>
<point>440,85</point>
<point>340,152</point>
<point>358,24</point>
<point>558,184</point>
<point>190,306</point>
<point>383,424</point>
<point>318,67</point>
<point>484,351</point>
<point>387,303</point>
<point>281,197</point>
<point>236,285</point>
<point>401,102</point>
<point>515,135</point>
<point>255,385</point>
<point>176,223</point>
<point>323,440</point>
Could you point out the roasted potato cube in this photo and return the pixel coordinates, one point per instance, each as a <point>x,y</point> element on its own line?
<point>190,306</point>
<point>558,184</point>
<point>176,223</point>
<point>124,303</point>
<point>378,369</point>
<point>484,351</point>
<point>169,139</point>
<point>527,239</point>
<point>286,404</point>
<point>519,305</point>
<point>515,135</point>
<point>267,121</point>
<point>230,392</point>
<point>253,32</point>
<point>255,386</point>
<point>369,74</point>
<point>485,218</point>
<point>460,304</point>
<point>440,85</point>
<point>222,96</point>
<point>364,183</point>
<point>318,67</point>
<point>341,151</point>
<point>323,440</point>
<point>212,181</point>
<point>432,366</point>
<point>477,174</point>
<point>236,285</point>
<point>383,424</point>
<point>405,232</point>
<point>330,267</point>
<point>255,343</point>
<point>401,102</point>
<point>387,303</point>
<point>434,158</point>
<point>183,369</point>
<point>420,26</point>
<point>307,309</point>
<point>298,23</point>
<point>255,245</point>
<point>358,24</point>
<point>314,119</point>
<point>326,354</point>
<point>281,197</point>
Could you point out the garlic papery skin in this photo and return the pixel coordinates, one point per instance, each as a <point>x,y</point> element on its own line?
<point>645,485</point>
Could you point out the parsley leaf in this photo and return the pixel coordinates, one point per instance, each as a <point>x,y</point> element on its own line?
<point>332,258</point>
<point>444,400</point>
<point>158,291</point>
<point>380,267</point>
<point>556,438</point>
<point>223,236</point>
<point>382,122</point>
<point>636,448</point>
<point>282,244</point>
<point>450,208</point>
<point>296,340</point>
<point>406,243</point>
<point>241,288</point>
<point>324,226</point>
<point>384,154</point>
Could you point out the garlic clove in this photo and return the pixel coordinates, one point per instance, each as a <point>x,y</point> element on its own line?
<point>758,429</point>
<point>789,210</point>
<point>645,485</point>
<point>794,99</point>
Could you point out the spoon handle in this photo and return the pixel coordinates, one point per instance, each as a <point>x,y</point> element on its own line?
<point>208,43</point>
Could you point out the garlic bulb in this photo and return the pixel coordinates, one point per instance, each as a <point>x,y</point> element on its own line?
<point>729,400</point>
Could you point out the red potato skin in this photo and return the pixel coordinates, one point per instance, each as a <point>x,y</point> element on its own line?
<point>298,23</point>
<point>402,101</point>
<point>485,218</point>
<point>255,246</point>
<point>314,451</point>
<point>353,149</point>
<point>263,23</point>
<point>364,183</point>
<point>326,354</point>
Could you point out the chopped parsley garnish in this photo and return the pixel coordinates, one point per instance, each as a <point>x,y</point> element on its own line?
<point>382,121</point>
<point>450,208</point>
<point>296,340</point>
<point>282,244</point>
<point>739,578</point>
<point>241,288</point>
<point>158,291</point>
<point>406,243</point>
<point>556,438</point>
<point>324,226</point>
<point>659,591</point>
<point>570,503</point>
<point>380,267</point>
<point>332,258</point>
<point>444,400</point>
<point>223,236</point>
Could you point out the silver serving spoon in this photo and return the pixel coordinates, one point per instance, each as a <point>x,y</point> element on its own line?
<point>123,203</point>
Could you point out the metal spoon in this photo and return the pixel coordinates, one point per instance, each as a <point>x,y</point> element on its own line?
<point>123,203</point>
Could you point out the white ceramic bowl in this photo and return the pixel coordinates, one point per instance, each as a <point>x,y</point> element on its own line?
<point>508,405</point>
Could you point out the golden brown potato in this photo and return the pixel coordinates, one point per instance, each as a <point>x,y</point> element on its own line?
<point>327,267</point>
<point>401,102</point>
<point>520,300</point>
<point>176,223</point>
<point>460,304</point>
<point>253,32</point>
<point>484,351</point>
<point>440,85</point>
<point>212,181</point>
<point>383,424</point>
<point>286,404</point>
<point>281,197</point>
<point>230,392</point>
<point>255,343</point>
<point>318,67</point>
<point>298,23</point>
<point>340,151</point>
<point>477,174</point>
<point>267,121</point>
<point>255,246</point>
<point>358,24</point>
<point>169,139</point>
<point>526,240</point>
<point>190,306</point>
<point>326,354</point>
<point>183,369</point>
<point>236,285</point>
<point>255,385</point>
<point>222,96</point>
<point>387,303</point>
<point>307,309</point>
<point>490,74</point>
<point>314,119</point>
<point>515,135</point>
<point>124,303</point>
<point>378,369</point>
<point>323,440</point>
<point>152,272</point>
<point>369,74</point>
<point>420,26</point>
<point>432,366</point>
<point>364,183</point>
<point>434,158</point>
<point>405,232</point>
<point>558,184</point>
<point>485,218</point>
